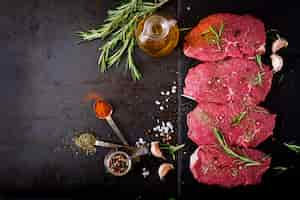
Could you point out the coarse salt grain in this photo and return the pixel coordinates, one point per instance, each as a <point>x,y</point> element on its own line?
<point>162,93</point>
<point>170,125</point>
<point>161,108</point>
<point>168,93</point>
<point>140,142</point>
<point>157,102</point>
<point>145,173</point>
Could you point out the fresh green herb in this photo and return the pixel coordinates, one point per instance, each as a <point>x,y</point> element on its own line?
<point>258,80</point>
<point>279,169</point>
<point>281,78</point>
<point>259,61</point>
<point>293,147</point>
<point>213,36</point>
<point>227,150</point>
<point>237,119</point>
<point>171,149</point>
<point>185,29</point>
<point>118,34</point>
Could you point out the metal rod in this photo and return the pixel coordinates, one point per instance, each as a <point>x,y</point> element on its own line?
<point>116,130</point>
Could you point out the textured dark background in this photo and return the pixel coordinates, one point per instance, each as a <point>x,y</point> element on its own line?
<point>45,75</point>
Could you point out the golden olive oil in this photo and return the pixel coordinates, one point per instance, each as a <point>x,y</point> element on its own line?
<point>157,36</point>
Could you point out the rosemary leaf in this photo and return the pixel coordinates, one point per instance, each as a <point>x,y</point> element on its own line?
<point>279,169</point>
<point>258,80</point>
<point>221,30</point>
<point>215,38</point>
<point>248,162</point>
<point>171,149</point>
<point>293,147</point>
<point>259,61</point>
<point>185,29</point>
<point>237,119</point>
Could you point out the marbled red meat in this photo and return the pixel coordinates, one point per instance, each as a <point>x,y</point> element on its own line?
<point>256,124</point>
<point>243,36</point>
<point>232,80</point>
<point>210,165</point>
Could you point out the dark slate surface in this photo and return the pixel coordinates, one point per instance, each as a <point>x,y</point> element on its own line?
<point>45,75</point>
<point>283,99</point>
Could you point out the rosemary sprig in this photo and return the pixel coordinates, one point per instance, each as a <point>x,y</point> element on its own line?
<point>118,34</point>
<point>280,168</point>
<point>185,29</point>
<point>259,61</point>
<point>237,119</point>
<point>213,36</point>
<point>293,147</point>
<point>258,80</point>
<point>171,149</point>
<point>227,150</point>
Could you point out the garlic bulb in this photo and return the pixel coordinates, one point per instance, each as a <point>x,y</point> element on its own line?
<point>261,49</point>
<point>164,169</point>
<point>278,44</point>
<point>155,150</point>
<point>277,62</point>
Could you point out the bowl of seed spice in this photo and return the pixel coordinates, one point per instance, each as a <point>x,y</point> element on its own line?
<point>118,163</point>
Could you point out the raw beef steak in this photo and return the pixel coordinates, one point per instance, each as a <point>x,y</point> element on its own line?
<point>241,126</point>
<point>220,36</point>
<point>233,80</point>
<point>210,165</point>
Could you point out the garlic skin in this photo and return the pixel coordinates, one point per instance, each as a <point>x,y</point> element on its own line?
<point>155,150</point>
<point>261,49</point>
<point>164,170</point>
<point>277,62</point>
<point>279,44</point>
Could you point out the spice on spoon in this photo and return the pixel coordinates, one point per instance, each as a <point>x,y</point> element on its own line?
<point>85,142</point>
<point>103,110</point>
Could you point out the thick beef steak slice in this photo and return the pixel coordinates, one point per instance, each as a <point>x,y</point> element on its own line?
<point>229,81</point>
<point>239,36</point>
<point>210,165</point>
<point>241,126</point>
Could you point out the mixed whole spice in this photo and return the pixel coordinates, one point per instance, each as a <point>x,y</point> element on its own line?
<point>118,163</point>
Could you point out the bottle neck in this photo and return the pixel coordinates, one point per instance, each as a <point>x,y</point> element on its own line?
<point>155,28</point>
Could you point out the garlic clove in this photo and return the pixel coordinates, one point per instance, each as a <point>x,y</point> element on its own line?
<point>277,62</point>
<point>278,44</point>
<point>261,49</point>
<point>155,150</point>
<point>164,169</point>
